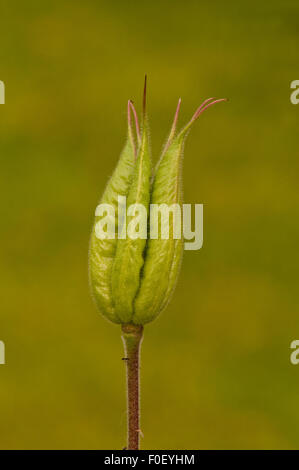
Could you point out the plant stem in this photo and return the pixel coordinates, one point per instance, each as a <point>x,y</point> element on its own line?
<point>132,338</point>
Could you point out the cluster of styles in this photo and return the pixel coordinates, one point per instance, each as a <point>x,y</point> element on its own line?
<point>132,280</point>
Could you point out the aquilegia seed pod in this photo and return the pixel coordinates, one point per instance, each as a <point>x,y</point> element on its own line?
<point>132,275</point>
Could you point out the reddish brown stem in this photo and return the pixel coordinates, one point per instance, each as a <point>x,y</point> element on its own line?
<point>132,338</point>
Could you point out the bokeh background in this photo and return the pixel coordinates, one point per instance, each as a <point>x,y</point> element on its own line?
<point>216,371</point>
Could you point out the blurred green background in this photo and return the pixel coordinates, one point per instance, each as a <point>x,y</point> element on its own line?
<point>215,366</point>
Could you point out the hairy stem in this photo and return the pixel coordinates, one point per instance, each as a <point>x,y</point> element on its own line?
<point>132,338</point>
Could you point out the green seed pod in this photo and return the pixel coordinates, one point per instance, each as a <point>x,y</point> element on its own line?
<point>163,256</point>
<point>102,251</point>
<point>132,275</point>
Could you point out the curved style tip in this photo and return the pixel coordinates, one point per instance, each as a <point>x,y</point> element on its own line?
<point>132,107</point>
<point>211,104</point>
<point>130,131</point>
<point>205,105</point>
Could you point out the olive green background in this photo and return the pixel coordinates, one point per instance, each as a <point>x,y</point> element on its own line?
<point>216,371</point>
